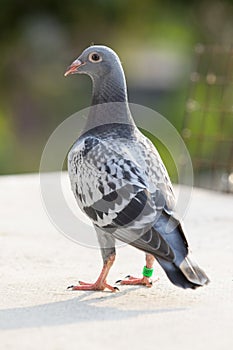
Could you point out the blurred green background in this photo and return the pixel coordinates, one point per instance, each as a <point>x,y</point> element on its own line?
<point>155,40</point>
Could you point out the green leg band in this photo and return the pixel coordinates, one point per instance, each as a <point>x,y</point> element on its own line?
<point>147,272</point>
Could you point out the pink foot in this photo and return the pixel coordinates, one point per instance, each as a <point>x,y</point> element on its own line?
<point>144,281</point>
<point>93,286</point>
<point>101,283</point>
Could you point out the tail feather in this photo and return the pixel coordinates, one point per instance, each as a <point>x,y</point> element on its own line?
<point>193,272</point>
<point>187,275</point>
<point>183,271</point>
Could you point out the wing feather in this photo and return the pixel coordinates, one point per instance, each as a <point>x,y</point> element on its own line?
<point>119,182</point>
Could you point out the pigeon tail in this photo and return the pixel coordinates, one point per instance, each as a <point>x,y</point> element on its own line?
<point>187,275</point>
<point>182,271</point>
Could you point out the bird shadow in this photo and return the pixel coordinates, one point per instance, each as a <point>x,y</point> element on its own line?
<point>84,308</point>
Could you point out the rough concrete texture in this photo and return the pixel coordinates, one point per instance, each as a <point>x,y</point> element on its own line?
<point>37,264</point>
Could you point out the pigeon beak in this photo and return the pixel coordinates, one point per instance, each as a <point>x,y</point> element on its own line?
<point>72,69</point>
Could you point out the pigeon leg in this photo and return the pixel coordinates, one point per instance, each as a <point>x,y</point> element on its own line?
<point>145,281</point>
<point>101,283</point>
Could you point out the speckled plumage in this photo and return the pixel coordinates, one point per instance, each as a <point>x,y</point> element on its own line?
<point>122,167</point>
<point>119,179</point>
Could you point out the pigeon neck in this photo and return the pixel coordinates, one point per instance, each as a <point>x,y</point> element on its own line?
<point>109,101</point>
<point>109,88</point>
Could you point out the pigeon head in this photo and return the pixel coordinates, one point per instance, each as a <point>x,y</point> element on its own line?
<point>96,61</point>
<point>104,67</point>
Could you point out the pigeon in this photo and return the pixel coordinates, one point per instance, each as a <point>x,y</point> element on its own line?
<point>120,182</point>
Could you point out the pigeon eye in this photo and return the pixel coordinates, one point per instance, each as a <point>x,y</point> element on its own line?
<point>95,57</point>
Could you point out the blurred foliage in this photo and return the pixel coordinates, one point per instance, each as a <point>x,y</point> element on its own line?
<point>208,122</point>
<point>40,38</point>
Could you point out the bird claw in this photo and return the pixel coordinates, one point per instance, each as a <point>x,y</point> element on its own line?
<point>118,281</point>
<point>70,287</point>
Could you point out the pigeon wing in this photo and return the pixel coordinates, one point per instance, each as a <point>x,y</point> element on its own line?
<point>109,188</point>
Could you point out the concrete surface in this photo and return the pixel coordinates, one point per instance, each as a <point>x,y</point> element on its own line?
<point>37,264</point>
